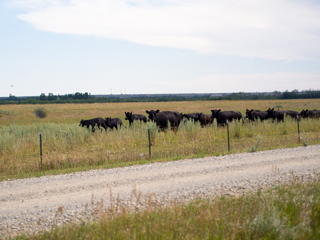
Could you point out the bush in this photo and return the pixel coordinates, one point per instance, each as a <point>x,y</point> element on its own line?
<point>41,112</point>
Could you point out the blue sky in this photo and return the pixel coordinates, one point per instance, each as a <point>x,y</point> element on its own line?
<point>155,46</point>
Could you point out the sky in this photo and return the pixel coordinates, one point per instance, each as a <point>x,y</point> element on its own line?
<point>158,46</point>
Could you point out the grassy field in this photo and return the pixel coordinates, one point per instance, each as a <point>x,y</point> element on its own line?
<point>290,211</point>
<point>68,147</point>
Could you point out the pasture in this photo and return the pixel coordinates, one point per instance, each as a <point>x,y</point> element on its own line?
<point>68,147</point>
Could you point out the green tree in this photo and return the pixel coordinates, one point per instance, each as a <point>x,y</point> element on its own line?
<point>43,97</point>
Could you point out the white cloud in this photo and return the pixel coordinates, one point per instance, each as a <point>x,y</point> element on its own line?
<point>272,29</point>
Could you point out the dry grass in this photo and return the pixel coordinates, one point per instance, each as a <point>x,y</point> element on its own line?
<point>68,147</point>
<point>73,113</point>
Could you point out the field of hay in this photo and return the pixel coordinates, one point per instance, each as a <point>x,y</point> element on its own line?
<point>68,147</point>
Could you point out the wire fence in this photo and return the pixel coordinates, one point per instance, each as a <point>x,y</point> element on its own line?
<point>70,146</point>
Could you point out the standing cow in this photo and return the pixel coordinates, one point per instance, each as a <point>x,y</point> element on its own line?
<point>222,117</point>
<point>113,122</point>
<point>162,119</point>
<point>191,116</point>
<point>205,119</point>
<point>253,115</point>
<point>135,117</point>
<point>292,114</point>
<point>310,113</point>
<point>92,122</point>
<point>274,114</point>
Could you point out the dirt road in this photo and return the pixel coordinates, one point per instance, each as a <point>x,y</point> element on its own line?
<point>39,203</point>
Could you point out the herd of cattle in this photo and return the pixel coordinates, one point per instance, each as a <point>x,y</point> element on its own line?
<point>174,118</point>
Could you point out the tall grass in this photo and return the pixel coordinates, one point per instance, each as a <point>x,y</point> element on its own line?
<point>68,147</point>
<point>290,211</point>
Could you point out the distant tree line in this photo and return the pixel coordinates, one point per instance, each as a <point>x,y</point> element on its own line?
<point>88,98</point>
<point>52,97</point>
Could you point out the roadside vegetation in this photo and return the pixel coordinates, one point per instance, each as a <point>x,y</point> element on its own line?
<point>289,211</point>
<point>67,147</point>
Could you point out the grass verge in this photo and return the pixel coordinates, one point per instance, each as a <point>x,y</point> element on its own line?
<point>289,211</point>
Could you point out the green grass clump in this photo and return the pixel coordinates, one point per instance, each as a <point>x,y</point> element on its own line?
<point>40,112</point>
<point>289,211</point>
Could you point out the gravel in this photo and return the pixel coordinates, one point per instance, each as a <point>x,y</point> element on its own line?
<point>37,204</point>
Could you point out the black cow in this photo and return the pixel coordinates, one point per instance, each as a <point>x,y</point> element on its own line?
<point>253,115</point>
<point>274,114</point>
<point>162,119</point>
<point>113,122</point>
<point>205,119</point>
<point>310,113</point>
<point>191,116</point>
<point>92,122</point>
<point>135,117</point>
<point>222,117</point>
<point>292,114</point>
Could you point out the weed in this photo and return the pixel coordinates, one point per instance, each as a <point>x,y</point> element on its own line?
<point>237,129</point>
<point>254,148</point>
<point>304,141</point>
<point>285,128</point>
<point>40,112</point>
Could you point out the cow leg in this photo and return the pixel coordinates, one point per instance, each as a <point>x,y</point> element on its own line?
<point>104,126</point>
<point>92,127</point>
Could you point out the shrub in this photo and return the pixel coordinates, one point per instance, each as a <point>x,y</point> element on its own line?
<point>41,112</point>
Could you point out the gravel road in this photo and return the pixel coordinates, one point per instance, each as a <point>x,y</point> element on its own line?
<point>36,204</point>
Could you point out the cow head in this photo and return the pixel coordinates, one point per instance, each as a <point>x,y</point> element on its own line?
<point>83,123</point>
<point>303,113</point>
<point>270,112</point>
<point>249,113</point>
<point>128,116</point>
<point>107,120</point>
<point>215,113</point>
<point>152,115</point>
<point>184,116</point>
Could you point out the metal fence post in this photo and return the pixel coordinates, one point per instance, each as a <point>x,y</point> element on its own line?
<point>40,151</point>
<point>228,136</point>
<point>149,142</point>
<point>298,128</point>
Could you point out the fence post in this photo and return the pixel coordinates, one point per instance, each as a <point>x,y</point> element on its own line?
<point>228,136</point>
<point>298,128</point>
<point>40,151</point>
<point>149,142</point>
